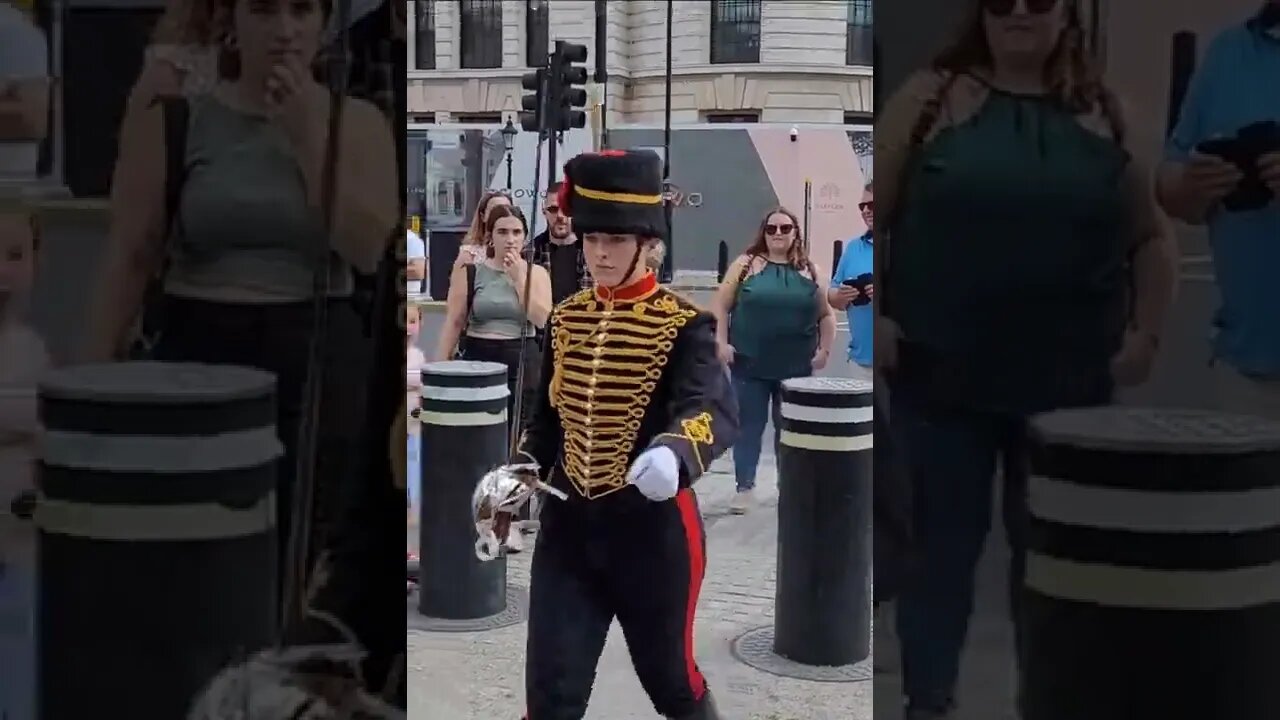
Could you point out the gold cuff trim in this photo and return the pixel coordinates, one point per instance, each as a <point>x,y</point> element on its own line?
<point>626,198</point>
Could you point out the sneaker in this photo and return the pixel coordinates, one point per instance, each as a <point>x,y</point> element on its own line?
<point>741,502</point>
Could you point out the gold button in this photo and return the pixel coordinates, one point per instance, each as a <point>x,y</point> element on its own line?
<point>598,351</point>
<point>593,379</point>
<point>597,360</point>
<point>588,410</point>
<point>591,392</point>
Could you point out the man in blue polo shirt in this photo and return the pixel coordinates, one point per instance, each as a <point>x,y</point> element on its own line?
<point>1234,87</point>
<point>855,261</point>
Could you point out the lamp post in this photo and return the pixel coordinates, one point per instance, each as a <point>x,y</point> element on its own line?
<point>508,142</point>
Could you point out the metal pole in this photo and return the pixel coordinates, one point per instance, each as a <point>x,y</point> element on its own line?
<point>509,153</point>
<point>57,42</point>
<point>668,263</point>
<point>298,549</point>
<point>602,68</point>
<point>453,584</point>
<point>823,599</point>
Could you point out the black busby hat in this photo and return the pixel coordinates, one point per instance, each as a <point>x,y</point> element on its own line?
<point>615,191</point>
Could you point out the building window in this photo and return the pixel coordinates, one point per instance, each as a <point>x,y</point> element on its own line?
<point>425,35</point>
<point>741,116</point>
<point>478,118</point>
<point>481,33</point>
<point>735,31</point>
<point>537,28</point>
<point>858,118</point>
<point>422,118</point>
<point>858,44</point>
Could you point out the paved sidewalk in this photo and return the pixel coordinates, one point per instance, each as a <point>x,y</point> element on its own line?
<point>480,676</point>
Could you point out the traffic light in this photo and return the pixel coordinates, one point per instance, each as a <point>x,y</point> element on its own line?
<point>568,96</point>
<point>531,102</point>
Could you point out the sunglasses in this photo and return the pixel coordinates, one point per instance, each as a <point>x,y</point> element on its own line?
<point>779,229</point>
<point>553,209</point>
<point>869,205</point>
<point>1002,8</point>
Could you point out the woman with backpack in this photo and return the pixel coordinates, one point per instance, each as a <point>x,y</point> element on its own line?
<point>225,190</point>
<point>487,316</point>
<point>773,322</point>
<point>1022,266</point>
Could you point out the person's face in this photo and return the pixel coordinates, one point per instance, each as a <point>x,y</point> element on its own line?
<point>507,233</point>
<point>269,33</point>
<point>608,256</point>
<point>412,322</point>
<point>868,208</point>
<point>779,232</point>
<point>556,221</point>
<point>496,201</point>
<point>1027,29</point>
<point>17,258</point>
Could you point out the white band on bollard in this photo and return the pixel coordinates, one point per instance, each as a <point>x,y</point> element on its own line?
<point>160,454</point>
<point>473,419</point>
<point>464,394</point>
<point>155,523</point>
<point>827,443</point>
<point>1129,587</point>
<point>1149,511</point>
<point>831,415</point>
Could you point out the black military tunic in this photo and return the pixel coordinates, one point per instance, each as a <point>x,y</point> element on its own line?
<point>626,371</point>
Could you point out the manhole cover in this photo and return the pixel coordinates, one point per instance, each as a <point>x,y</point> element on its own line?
<point>515,613</point>
<point>755,648</point>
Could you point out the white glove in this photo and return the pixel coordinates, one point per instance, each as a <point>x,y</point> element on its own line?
<point>656,473</point>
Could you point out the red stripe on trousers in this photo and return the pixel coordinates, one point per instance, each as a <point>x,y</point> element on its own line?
<point>689,516</point>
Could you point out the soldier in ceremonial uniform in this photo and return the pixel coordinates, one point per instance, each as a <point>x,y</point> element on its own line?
<point>634,408</point>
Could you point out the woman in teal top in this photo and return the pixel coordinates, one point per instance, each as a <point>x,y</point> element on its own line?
<point>1012,217</point>
<point>773,323</point>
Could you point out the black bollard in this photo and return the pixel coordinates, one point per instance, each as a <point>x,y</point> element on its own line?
<point>1153,569</point>
<point>722,261</point>
<point>156,533</point>
<point>823,597</point>
<point>464,435</point>
<point>837,252</point>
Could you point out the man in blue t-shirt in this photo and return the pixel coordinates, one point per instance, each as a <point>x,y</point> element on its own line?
<point>1235,87</point>
<point>855,262</point>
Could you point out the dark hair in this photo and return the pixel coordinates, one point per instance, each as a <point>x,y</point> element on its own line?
<point>504,211</point>
<point>553,191</point>
<point>1074,81</point>
<point>228,57</point>
<point>797,256</point>
<point>475,233</point>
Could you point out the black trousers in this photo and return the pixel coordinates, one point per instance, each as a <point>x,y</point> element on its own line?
<point>507,352</point>
<point>617,557</point>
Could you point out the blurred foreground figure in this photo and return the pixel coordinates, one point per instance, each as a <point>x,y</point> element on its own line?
<point>634,408</point>
<point>302,683</point>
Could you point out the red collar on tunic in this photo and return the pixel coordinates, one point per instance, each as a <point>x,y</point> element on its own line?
<point>638,290</point>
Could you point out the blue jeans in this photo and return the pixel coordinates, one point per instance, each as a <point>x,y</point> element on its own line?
<point>949,458</point>
<point>758,400</point>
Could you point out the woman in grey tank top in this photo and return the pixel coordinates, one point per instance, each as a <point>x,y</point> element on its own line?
<point>492,324</point>
<point>246,243</point>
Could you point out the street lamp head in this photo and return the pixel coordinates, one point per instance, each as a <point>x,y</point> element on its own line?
<point>509,132</point>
